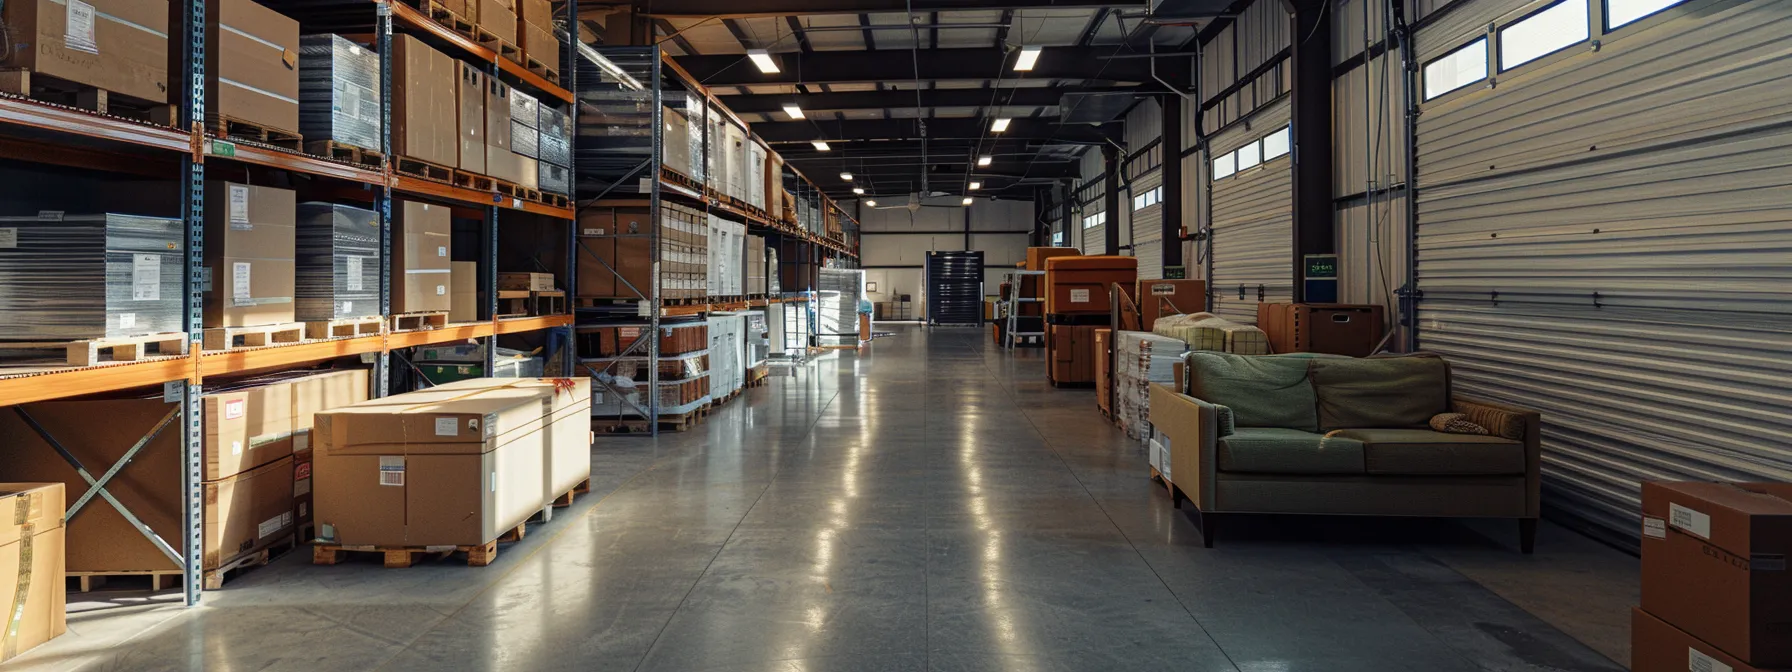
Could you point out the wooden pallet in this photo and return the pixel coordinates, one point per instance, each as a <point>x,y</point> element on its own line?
<point>405,556</point>
<point>123,348</point>
<point>517,191</point>
<point>332,149</point>
<point>424,169</point>
<point>225,338</point>
<point>345,327</point>
<point>680,179</point>
<point>232,128</point>
<point>565,499</point>
<point>556,200</point>
<point>213,579</point>
<point>547,71</point>
<point>86,582</point>
<point>442,15</point>
<point>502,47</point>
<point>675,422</point>
<point>419,321</point>
<point>513,303</point>
<point>474,181</point>
<point>70,93</point>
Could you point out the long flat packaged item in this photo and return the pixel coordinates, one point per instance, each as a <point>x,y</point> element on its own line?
<point>470,90</point>
<point>456,465</point>
<point>116,275</point>
<point>1714,565</point>
<point>252,65</point>
<point>31,566</point>
<point>120,46</point>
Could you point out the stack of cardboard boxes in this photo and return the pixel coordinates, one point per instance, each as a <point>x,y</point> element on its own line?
<point>250,251</point>
<point>495,17</point>
<point>121,48</point>
<point>251,66</point>
<point>535,27</point>
<point>31,565</point>
<point>1717,595</point>
<point>1076,304</point>
<point>616,257</point>
<point>420,264</point>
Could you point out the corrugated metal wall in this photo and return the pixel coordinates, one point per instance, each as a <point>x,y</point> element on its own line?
<point>1253,223</point>
<point>1606,236</point>
<point>1093,240</point>
<point>1144,125</point>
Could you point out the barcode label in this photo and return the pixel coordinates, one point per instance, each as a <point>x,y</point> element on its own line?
<point>1693,521</point>
<point>1655,528</point>
<point>392,471</point>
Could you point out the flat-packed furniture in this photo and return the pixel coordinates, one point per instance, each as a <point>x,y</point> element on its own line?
<point>31,566</point>
<point>1335,328</point>
<point>1317,434</point>
<point>1080,284</point>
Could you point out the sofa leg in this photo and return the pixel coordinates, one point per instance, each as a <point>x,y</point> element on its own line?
<point>1209,524</point>
<point>1527,535</point>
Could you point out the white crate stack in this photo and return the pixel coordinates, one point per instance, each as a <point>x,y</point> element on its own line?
<point>1141,358</point>
<point>727,252</point>
<point>727,353</point>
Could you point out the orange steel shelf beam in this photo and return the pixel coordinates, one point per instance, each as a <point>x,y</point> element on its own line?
<point>24,112</point>
<point>299,163</point>
<point>448,192</point>
<point>74,382</point>
<point>226,362</point>
<point>526,324</point>
<point>461,331</point>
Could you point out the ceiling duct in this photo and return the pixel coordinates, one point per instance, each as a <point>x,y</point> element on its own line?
<point>1094,108</point>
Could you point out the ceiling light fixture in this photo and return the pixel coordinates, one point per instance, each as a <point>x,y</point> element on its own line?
<point>763,59</point>
<point>976,185</point>
<point>846,176</point>
<point>869,203</point>
<point>820,145</point>
<point>1028,56</point>
<point>858,191</point>
<point>983,160</point>
<point>967,200</point>
<point>792,110</point>
<point>999,125</point>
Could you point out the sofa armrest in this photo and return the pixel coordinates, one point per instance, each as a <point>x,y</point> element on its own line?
<point>1516,423</point>
<point>1191,425</point>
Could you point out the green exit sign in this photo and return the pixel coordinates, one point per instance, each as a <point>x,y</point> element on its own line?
<point>1322,266</point>
<point>222,148</point>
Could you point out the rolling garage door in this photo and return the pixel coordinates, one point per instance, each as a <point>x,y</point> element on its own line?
<point>1606,235</point>
<point>1253,221</point>
<point>1148,225</point>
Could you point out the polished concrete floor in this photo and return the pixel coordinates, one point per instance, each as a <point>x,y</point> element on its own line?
<point>929,503</point>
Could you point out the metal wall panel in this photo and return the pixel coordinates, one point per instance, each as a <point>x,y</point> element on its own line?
<point>1253,224</point>
<point>1372,246</point>
<point>1368,129</point>
<point>1606,236</point>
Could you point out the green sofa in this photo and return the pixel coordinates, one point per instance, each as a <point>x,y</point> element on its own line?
<point>1342,436</point>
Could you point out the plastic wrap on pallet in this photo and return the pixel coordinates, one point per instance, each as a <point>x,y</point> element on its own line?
<point>622,396</point>
<point>1141,358</point>
<point>524,141</point>
<point>1206,331</point>
<point>338,262</point>
<point>554,179</point>
<point>840,290</point>
<point>727,354</point>
<point>555,137</point>
<point>91,276</point>
<point>339,91</point>
<point>727,246</point>
<point>525,109</point>
<point>756,176</point>
<point>734,151</point>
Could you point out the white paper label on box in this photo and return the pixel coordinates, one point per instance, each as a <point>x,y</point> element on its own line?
<point>441,289</point>
<point>234,409</point>
<point>441,251</point>
<point>1695,523</point>
<point>1079,296</point>
<point>354,273</point>
<point>239,282</point>
<point>270,526</point>
<point>301,488</point>
<point>127,320</point>
<point>78,35</point>
<point>1699,662</point>
<point>594,232</point>
<point>348,306</point>
<point>348,104</point>
<point>1655,528</point>
<point>146,277</point>
<point>305,507</point>
<point>301,440</point>
<point>392,470</point>
<point>1163,289</point>
<point>236,447</point>
<point>491,425</point>
<point>239,207</point>
<point>447,427</point>
<point>9,237</point>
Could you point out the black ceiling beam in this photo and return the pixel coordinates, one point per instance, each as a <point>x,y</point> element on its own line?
<point>802,38</point>
<point>763,8</point>
<point>1007,25</point>
<point>746,103</point>
<point>865,27</point>
<point>959,128</point>
<point>1094,27</point>
<point>677,38</point>
<point>935,64</point>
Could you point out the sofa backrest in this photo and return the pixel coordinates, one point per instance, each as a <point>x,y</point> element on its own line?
<point>1261,390</point>
<point>1380,392</point>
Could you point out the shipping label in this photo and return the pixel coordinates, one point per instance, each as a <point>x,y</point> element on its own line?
<point>127,320</point>
<point>9,237</point>
<point>239,208</point>
<point>1079,296</point>
<point>1655,528</point>
<point>273,525</point>
<point>234,408</point>
<point>354,273</point>
<point>146,277</point>
<point>1164,289</point>
<point>1692,521</point>
<point>78,35</point>
<point>239,283</point>
<point>1699,662</point>
<point>392,470</point>
<point>447,427</point>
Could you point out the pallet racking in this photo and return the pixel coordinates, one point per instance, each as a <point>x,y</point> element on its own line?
<point>34,132</point>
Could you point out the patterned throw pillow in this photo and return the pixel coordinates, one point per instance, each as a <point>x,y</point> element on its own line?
<point>1456,423</point>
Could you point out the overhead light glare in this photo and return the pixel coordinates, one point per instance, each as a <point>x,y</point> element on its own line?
<point>858,191</point>
<point>1028,56</point>
<point>792,110</point>
<point>976,185</point>
<point>1000,124</point>
<point>967,200</point>
<point>983,160</point>
<point>870,203</point>
<point>820,145</point>
<point>764,60</point>
<point>846,176</point>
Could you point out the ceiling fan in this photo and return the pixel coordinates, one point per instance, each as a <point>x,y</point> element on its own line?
<point>916,201</point>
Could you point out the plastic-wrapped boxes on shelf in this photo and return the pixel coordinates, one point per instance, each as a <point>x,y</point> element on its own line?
<point>756,172</point>
<point>727,246</point>
<point>554,178</point>
<point>338,262</point>
<point>339,92</point>
<point>555,143</point>
<point>74,277</point>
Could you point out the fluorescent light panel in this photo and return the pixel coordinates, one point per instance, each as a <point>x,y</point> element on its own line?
<point>846,176</point>
<point>983,160</point>
<point>1000,124</point>
<point>967,200</point>
<point>976,185</point>
<point>858,190</point>
<point>792,110</point>
<point>1028,57</point>
<point>820,145</point>
<point>869,203</point>
<point>764,60</point>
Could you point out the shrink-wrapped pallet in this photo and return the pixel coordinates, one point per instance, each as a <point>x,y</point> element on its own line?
<point>1140,359</point>
<point>339,91</point>
<point>338,270</point>
<point>73,277</point>
<point>1206,331</point>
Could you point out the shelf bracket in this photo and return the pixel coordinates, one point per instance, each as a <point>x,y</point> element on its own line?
<point>98,486</point>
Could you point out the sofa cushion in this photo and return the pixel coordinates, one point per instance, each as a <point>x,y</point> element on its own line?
<point>1263,391</point>
<point>1380,391</point>
<point>1275,450</point>
<point>1422,452</point>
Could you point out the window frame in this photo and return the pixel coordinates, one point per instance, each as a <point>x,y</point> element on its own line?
<point>1287,147</point>
<point>1486,42</point>
<point>1605,15</point>
<point>1100,217</point>
<point>1499,66</point>
<point>1238,155</point>
<point>1231,163</point>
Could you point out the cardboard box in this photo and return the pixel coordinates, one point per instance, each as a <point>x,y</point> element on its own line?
<point>124,50</point>
<point>447,466</point>
<point>498,18</point>
<point>594,279</point>
<point>1072,351</point>
<point>507,166</point>
<point>568,450</point>
<point>532,282</point>
<point>538,43</point>
<point>315,394</point>
<point>471,90</point>
<point>425,102</point>
<point>1036,256</point>
<point>530,175</point>
<point>420,271</point>
<point>463,291</point>
<point>250,245</point>
<point>245,429</point>
<point>497,116</point>
<point>252,64</point>
<point>1080,284</point>
<point>303,506</point>
<point>1334,328</point>
<point>31,528</point>
<point>1163,298</point>
<point>1714,565</point>
<point>538,12</point>
<point>1657,646</point>
<point>248,512</point>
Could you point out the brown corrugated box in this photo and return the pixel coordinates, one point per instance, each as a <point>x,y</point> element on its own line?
<point>425,102</point>
<point>507,166</point>
<point>246,428</point>
<point>250,246</point>
<point>420,271</point>
<point>1080,284</point>
<point>530,175</point>
<point>1036,256</point>
<point>31,527</point>
<point>526,281</point>
<point>252,64</point>
<point>126,52</point>
<point>248,512</point>
<point>497,116</point>
<point>538,43</point>
<point>1658,646</point>
<point>567,453</point>
<point>1714,565</point>
<point>470,89</point>
<point>310,396</point>
<point>463,291</point>
<point>498,18</point>
<point>446,466</point>
<point>538,12</point>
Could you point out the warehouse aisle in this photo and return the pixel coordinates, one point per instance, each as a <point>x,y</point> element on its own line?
<point>929,504</point>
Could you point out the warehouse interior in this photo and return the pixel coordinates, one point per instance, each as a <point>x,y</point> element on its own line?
<point>1239,335</point>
